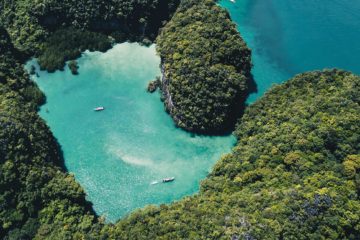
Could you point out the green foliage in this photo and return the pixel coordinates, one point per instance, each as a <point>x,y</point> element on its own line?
<point>67,44</point>
<point>12,72</point>
<point>351,165</point>
<point>30,22</point>
<point>294,173</point>
<point>69,27</point>
<point>73,66</point>
<point>206,66</point>
<point>31,177</point>
<point>154,84</point>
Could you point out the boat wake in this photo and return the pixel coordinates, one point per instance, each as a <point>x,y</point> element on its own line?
<point>164,180</point>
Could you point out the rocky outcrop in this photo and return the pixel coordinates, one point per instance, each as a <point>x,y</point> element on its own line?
<point>154,85</point>
<point>166,96</point>
<point>206,65</point>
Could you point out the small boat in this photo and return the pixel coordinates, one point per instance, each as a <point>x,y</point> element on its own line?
<point>170,179</point>
<point>97,109</point>
<point>233,1</point>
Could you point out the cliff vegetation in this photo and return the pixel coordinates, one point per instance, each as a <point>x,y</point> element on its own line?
<point>294,173</point>
<point>206,67</point>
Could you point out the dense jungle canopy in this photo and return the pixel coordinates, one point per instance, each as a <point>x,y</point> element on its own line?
<point>293,174</point>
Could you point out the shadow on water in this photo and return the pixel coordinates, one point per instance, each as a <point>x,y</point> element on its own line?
<point>57,156</point>
<point>267,29</point>
<point>240,105</point>
<point>252,86</point>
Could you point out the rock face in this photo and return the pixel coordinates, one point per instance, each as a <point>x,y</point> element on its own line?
<point>206,68</point>
<point>313,119</point>
<point>153,85</point>
<point>166,96</point>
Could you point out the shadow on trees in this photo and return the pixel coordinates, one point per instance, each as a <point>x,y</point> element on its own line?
<point>236,112</point>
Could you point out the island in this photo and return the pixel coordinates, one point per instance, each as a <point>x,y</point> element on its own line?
<point>293,174</point>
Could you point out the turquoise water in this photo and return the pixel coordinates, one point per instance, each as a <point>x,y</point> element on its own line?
<point>115,154</point>
<point>291,36</point>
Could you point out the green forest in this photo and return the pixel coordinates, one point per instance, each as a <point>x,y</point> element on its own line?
<point>206,67</point>
<point>32,176</point>
<point>293,174</point>
<point>43,27</point>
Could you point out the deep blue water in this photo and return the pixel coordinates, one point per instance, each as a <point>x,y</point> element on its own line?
<point>288,37</point>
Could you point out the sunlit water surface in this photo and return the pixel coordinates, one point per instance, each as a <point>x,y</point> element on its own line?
<point>116,154</point>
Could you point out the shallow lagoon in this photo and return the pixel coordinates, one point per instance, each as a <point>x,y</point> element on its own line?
<point>115,154</point>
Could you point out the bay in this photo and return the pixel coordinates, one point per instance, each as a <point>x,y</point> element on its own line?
<point>117,153</point>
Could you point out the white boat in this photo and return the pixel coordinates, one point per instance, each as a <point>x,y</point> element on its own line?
<point>170,179</point>
<point>97,109</point>
<point>233,1</point>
